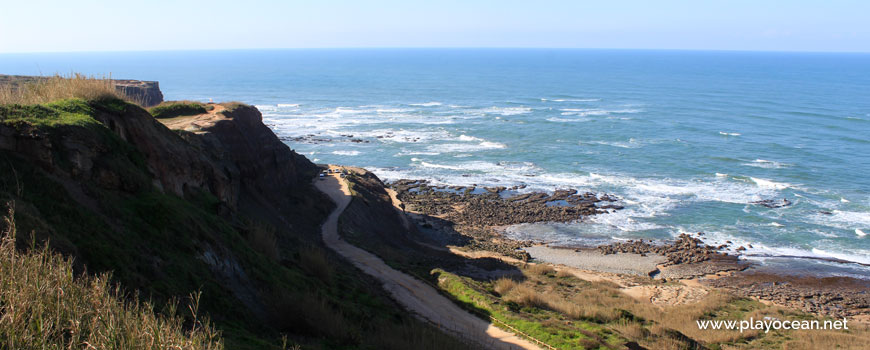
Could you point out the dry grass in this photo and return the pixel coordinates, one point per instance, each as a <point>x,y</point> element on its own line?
<point>503,285</point>
<point>527,296</point>
<point>42,306</point>
<point>262,238</point>
<point>59,87</point>
<point>314,261</point>
<point>540,269</point>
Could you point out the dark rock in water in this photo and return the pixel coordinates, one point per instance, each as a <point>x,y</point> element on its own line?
<point>770,203</point>
<point>686,249</point>
<point>476,214</point>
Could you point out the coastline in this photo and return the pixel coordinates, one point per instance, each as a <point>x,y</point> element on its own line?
<point>696,268</point>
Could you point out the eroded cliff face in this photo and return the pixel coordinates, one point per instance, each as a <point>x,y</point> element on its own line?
<point>145,93</point>
<point>168,211</point>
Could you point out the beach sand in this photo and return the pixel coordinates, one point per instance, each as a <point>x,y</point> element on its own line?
<point>591,259</point>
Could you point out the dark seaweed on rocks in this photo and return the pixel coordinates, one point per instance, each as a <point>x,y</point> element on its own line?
<point>686,249</point>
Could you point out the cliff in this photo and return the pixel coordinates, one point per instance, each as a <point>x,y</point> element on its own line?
<point>211,202</point>
<point>144,93</point>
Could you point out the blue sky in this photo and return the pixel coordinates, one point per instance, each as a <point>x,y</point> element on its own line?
<point>100,25</point>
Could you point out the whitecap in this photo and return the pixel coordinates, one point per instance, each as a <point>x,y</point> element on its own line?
<point>763,183</point>
<point>571,99</point>
<point>844,200</point>
<point>346,153</point>
<point>721,175</point>
<point>465,147</point>
<point>288,105</point>
<point>426,104</point>
<point>767,164</point>
<point>859,232</point>
<point>729,133</point>
<point>564,120</point>
<point>776,224</point>
<point>468,138</point>
<point>507,111</point>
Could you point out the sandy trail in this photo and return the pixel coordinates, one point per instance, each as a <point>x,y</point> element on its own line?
<point>413,294</point>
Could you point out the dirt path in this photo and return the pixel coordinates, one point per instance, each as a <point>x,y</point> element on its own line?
<point>413,294</point>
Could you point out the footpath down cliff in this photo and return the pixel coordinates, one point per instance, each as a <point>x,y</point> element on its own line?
<point>214,203</point>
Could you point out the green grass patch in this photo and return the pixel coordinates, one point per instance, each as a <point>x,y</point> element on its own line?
<point>172,109</point>
<point>545,325</point>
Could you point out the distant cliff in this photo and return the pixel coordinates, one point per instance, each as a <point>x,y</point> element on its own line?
<point>144,93</point>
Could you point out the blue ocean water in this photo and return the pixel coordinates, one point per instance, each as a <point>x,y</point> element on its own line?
<point>687,140</point>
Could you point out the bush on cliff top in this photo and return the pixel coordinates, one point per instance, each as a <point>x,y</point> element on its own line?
<point>174,109</point>
<point>59,87</point>
<point>44,306</point>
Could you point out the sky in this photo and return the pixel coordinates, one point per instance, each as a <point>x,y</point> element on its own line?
<point>118,25</point>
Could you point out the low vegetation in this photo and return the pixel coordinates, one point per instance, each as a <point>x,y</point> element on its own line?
<point>45,306</point>
<point>59,87</point>
<point>172,109</point>
<point>570,313</point>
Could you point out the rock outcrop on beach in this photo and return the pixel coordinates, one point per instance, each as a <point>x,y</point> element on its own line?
<point>476,212</point>
<point>684,250</point>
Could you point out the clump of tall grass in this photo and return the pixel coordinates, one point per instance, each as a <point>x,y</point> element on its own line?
<point>503,285</point>
<point>58,87</point>
<point>315,262</point>
<point>43,306</point>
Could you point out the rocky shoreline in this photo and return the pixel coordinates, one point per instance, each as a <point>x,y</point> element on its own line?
<point>477,212</point>
<point>830,296</point>
<point>473,217</point>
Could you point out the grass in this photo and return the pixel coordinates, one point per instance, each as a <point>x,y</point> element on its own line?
<point>59,87</point>
<point>526,310</point>
<point>172,109</point>
<point>45,306</point>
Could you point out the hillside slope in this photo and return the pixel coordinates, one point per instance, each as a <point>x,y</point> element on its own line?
<point>221,207</point>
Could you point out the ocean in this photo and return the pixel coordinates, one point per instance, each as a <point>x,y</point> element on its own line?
<point>687,140</point>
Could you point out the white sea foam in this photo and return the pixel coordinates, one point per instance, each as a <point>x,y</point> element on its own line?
<point>587,112</point>
<point>465,147</point>
<point>571,99</point>
<point>859,232</point>
<point>729,133</point>
<point>288,105</point>
<point>844,200</point>
<point>566,120</point>
<point>506,111</point>
<point>721,175</point>
<point>776,224</point>
<point>631,143</point>
<point>763,183</point>
<point>426,104</point>
<point>767,164</point>
<point>346,153</point>
<point>468,138</point>
<point>266,108</point>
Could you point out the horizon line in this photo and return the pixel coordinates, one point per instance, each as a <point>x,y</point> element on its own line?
<point>432,48</point>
